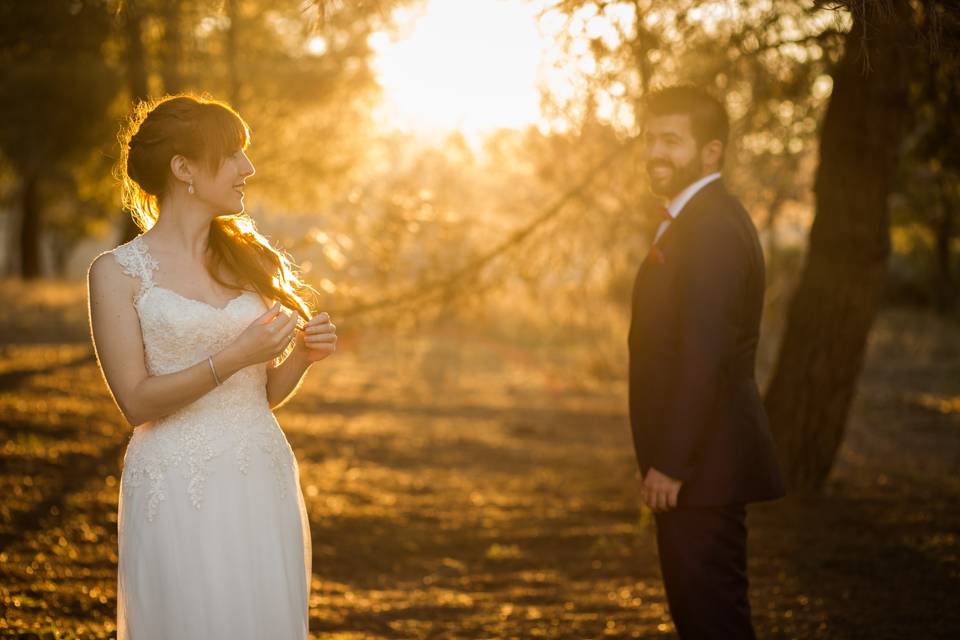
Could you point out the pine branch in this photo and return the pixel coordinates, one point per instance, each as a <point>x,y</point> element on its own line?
<point>446,286</point>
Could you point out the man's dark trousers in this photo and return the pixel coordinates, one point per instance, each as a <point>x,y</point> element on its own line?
<point>703,558</point>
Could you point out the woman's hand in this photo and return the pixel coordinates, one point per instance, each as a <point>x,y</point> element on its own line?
<point>265,338</point>
<point>319,337</point>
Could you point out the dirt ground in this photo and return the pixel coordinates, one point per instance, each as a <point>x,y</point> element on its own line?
<point>460,489</point>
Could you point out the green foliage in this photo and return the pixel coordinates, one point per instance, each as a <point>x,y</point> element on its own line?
<point>298,73</point>
<point>926,212</point>
<point>769,60</point>
<point>55,85</point>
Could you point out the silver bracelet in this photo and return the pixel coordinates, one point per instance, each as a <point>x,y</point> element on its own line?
<point>213,369</point>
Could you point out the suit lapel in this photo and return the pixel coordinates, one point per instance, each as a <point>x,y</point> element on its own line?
<point>697,203</point>
<point>670,242</point>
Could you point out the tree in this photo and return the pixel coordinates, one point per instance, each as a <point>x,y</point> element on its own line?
<point>55,90</point>
<point>925,217</point>
<point>298,72</point>
<point>841,286</point>
<point>172,45</point>
<point>132,16</point>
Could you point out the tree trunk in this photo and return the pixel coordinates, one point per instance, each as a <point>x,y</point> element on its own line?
<point>232,51</point>
<point>61,246</point>
<point>137,82</point>
<point>136,54</point>
<point>770,236</point>
<point>172,47</point>
<point>830,315</point>
<point>945,286</point>
<point>30,226</point>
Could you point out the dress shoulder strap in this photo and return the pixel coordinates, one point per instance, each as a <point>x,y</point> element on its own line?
<point>136,261</point>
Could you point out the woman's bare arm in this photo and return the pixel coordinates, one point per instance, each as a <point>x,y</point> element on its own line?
<point>284,381</point>
<point>317,341</point>
<point>118,343</point>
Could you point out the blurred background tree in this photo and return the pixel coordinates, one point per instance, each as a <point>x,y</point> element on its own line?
<point>297,71</point>
<point>56,89</point>
<point>844,277</point>
<point>924,268</point>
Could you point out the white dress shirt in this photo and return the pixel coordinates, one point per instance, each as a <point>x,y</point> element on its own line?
<point>677,204</point>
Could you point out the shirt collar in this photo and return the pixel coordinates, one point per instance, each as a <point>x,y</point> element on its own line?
<point>677,204</point>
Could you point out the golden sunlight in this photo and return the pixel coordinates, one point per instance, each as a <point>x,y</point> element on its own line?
<point>467,66</point>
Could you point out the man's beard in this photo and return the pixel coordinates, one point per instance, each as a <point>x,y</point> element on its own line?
<point>682,177</point>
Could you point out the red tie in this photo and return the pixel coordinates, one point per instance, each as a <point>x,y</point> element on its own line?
<point>656,254</point>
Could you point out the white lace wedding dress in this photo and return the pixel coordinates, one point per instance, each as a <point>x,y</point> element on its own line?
<point>214,541</point>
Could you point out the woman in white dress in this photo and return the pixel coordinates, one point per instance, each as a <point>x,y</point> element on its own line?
<point>190,321</point>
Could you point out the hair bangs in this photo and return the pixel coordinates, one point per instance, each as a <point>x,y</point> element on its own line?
<point>222,132</point>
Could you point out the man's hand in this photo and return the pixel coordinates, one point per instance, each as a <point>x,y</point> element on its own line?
<point>659,491</point>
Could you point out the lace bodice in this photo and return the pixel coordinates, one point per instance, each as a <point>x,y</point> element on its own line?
<point>233,419</point>
<point>178,331</point>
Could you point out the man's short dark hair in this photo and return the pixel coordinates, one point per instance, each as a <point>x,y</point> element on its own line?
<point>708,117</point>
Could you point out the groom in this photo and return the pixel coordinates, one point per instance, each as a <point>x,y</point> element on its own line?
<point>700,432</point>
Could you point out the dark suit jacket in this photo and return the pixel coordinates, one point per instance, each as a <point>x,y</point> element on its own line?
<point>695,410</point>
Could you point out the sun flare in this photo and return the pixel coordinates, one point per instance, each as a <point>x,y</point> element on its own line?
<point>467,66</point>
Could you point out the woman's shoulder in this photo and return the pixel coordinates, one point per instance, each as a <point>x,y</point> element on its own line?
<point>120,263</point>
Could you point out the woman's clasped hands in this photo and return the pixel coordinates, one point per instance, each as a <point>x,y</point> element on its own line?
<point>269,335</point>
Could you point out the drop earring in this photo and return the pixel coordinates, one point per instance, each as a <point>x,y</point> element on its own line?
<point>190,188</point>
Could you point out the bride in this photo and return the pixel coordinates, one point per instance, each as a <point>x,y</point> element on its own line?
<point>190,320</point>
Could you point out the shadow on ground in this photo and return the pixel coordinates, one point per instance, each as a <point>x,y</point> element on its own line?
<point>499,501</point>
